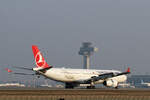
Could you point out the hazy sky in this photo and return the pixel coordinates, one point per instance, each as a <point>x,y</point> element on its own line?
<point>119,28</point>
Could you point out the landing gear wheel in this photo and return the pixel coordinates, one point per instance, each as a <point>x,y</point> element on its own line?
<point>90,87</point>
<point>116,87</point>
<point>69,86</point>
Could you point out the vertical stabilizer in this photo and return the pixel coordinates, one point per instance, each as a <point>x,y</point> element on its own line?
<point>39,59</point>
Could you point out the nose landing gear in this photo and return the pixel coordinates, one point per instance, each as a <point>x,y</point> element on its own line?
<point>91,86</point>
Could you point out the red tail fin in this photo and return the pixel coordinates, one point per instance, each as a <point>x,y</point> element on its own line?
<point>128,70</point>
<point>39,59</point>
<point>8,70</point>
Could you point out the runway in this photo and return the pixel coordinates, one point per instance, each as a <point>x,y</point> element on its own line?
<point>75,94</point>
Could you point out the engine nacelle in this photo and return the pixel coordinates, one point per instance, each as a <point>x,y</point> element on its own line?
<point>111,83</point>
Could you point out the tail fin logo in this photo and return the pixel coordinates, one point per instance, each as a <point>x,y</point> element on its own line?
<point>39,59</point>
<point>40,62</point>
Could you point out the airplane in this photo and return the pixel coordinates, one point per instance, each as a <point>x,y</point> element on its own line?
<point>74,77</point>
<point>142,84</point>
<point>145,83</point>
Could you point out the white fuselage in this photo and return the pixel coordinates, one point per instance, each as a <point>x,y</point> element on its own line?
<point>79,75</point>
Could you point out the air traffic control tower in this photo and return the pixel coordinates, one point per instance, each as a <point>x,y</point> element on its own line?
<point>86,51</point>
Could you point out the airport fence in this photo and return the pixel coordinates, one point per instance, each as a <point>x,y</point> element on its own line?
<point>74,97</point>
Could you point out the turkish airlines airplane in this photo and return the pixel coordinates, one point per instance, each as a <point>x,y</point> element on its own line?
<point>75,77</point>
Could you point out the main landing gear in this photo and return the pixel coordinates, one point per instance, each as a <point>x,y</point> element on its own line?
<point>72,85</point>
<point>90,87</point>
<point>116,87</point>
<point>69,86</point>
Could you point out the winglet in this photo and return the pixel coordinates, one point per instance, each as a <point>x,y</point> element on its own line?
<point>128,70</point>
<point>8,70</point>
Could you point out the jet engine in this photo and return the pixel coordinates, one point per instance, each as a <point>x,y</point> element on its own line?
<point>111,83</point>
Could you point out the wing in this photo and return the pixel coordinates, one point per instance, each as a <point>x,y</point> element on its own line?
<point>105,76</point>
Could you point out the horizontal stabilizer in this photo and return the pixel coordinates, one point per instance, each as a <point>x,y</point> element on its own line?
<point>23,74</point>
<point>25,68</point>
